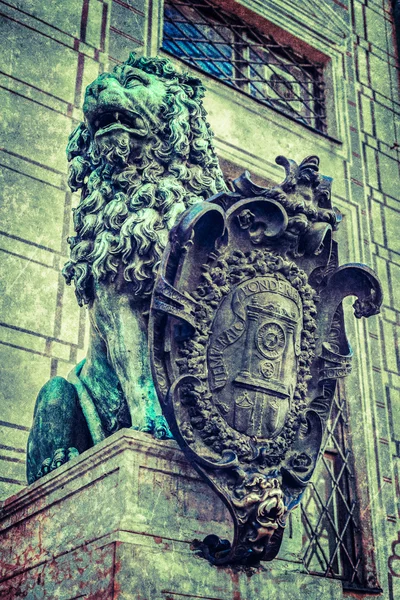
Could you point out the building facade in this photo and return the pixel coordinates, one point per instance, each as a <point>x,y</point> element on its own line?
<point>291,78</point>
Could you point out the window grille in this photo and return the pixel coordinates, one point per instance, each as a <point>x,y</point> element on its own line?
<point>242,56</point>
<point>329,514</point>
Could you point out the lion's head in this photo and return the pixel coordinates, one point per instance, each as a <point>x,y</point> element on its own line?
<point>142,156</point>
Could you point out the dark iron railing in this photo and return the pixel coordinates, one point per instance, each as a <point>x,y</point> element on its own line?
<point>244,57</point>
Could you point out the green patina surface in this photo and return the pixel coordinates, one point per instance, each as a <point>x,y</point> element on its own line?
<point>44,333</point>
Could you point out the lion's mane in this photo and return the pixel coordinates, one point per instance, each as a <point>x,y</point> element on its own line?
<point>128,206</point>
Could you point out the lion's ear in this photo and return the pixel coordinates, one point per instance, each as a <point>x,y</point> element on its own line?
<point>198,89</point>
<point>132,60</point>
<point>78,142</point>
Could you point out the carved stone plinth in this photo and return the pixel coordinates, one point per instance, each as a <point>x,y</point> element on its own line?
<point>118,522</point>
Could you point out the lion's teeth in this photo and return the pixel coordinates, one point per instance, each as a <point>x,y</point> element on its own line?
<point>116,116</point>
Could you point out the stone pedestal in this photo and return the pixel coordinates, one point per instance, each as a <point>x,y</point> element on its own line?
<point>118,522</point>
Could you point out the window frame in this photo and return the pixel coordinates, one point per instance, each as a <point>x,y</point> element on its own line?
<point>284,58</point>
<point>341,506</point>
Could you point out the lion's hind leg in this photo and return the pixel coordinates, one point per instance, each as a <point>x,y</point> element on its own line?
<point>59,430</point>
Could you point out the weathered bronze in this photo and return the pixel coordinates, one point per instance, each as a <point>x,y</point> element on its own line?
<point>246,332</point>
<point>247,342</point>
<point>142,156</point>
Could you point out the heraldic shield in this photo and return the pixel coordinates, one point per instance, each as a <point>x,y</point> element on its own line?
<point>247,341</point>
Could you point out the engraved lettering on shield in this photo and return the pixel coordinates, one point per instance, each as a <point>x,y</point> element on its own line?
<point>259,364</point>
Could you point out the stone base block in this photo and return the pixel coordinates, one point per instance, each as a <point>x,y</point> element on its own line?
<point>118,523</point>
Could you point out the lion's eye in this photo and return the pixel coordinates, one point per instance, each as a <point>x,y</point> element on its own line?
<point>131,82</point>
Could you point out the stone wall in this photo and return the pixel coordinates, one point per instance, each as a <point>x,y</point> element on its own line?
<point>50,52</point>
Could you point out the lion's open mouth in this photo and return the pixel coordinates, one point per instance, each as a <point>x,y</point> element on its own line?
<point>112,120</point>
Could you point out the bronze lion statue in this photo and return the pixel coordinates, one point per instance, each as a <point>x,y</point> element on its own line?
<point>143,154</point>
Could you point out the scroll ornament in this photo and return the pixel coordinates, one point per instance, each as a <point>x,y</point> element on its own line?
<point>247,342</point>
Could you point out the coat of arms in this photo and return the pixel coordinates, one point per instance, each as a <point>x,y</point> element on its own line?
<point>247,340</point>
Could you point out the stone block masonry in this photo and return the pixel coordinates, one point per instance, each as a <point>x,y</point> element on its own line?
<point>118,523</point>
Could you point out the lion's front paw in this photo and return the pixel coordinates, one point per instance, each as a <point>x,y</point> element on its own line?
<point>161,429</point>
<point>147,426</point>
<point>60,457</point>
<point>157,426</point>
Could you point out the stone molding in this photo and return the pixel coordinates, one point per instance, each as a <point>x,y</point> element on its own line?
<point>118,522</point>
<point>306,20</point>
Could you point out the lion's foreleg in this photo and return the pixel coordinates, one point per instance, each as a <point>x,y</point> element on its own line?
<point>123,327</point>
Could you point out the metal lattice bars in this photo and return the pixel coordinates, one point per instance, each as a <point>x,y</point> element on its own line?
<point>329,511</point>
<point>240,55</point>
